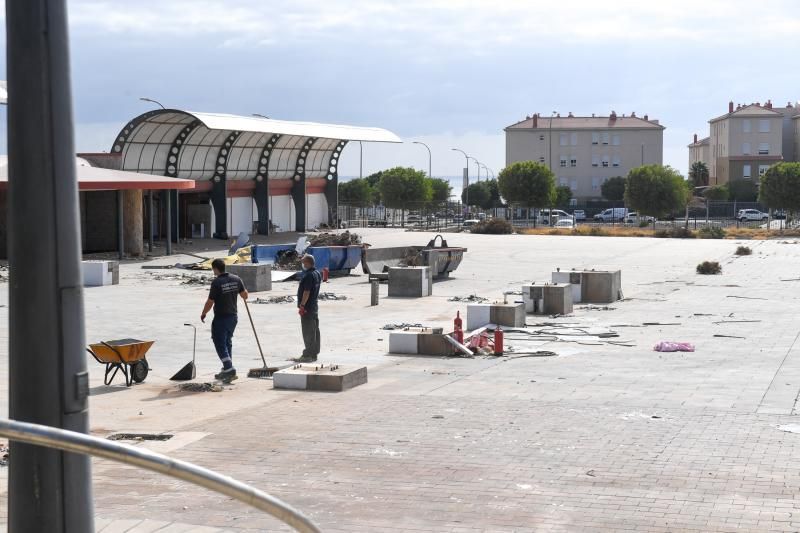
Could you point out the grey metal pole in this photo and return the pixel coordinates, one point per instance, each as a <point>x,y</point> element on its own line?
<point>169,223</point>
<point>150,221</point>
<point>466,176</point>
<point>48,490</point>
<point>360,159</point>
<point>430,157</point>
<point>121,223</point>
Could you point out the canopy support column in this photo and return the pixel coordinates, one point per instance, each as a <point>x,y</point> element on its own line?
<point>299,185</point>
<point>121,223</point>
<point>262,186</point>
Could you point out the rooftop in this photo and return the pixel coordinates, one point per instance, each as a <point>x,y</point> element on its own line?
<point>612,121</point>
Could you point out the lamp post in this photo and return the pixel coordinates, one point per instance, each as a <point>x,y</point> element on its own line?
<point>466,176</point>
<point>143,99</point>
<point>360,159</point>
<point>430,175</point>
<point>478,166</point>
<point>550,142</point>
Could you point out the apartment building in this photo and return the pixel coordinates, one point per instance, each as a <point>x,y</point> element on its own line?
<point>748,139</point>
<point>583,152</point>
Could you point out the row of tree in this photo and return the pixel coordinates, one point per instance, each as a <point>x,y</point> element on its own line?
<point>395,188</point>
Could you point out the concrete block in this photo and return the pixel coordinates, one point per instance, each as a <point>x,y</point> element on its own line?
<point>433,344</point>
<point>320,377</point>
<point>99,273</point>
<point>548,298</point>
<point>410,282</point>
<point>478,315</point>
<point>257,277</point>
<point>511,315</point>
<point>405,342</point>
<point>592,286</point>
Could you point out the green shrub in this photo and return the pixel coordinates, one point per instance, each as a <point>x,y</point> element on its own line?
<point>744,250</point>
<point>711,232</point>
<point>709,268</point>
<point>644,223</point>
<point>493,226</point>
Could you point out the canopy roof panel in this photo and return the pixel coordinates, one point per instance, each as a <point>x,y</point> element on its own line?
<point>200,146</point>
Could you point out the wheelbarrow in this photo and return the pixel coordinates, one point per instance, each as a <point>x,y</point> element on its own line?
<point>126,355</point>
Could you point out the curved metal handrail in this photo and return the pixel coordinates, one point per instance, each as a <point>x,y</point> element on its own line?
<point>74,442</point>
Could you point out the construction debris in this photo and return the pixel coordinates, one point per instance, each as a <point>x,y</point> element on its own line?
<point>472,298</point>
<point>3,273</point>
<point>670,346</point>
<point>185,279</point>
<point>200,387</point>
<point>335,239</point>
<point>331,296</point>
<point>274,300</point>
<point>4,455</point>
<point>404,325</point>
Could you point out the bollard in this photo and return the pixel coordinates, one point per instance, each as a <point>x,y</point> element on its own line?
<point>375,287</point>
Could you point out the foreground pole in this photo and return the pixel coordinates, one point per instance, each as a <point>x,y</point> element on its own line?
<point>48,490</point>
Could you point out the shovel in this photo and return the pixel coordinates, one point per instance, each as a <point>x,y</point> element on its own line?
<point>188,371</point>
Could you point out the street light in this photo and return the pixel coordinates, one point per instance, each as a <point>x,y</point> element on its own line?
<point>550,142</point>
<point>360,159</point>
<point>430,175</point>
<point>143,99</point>
<point>478,166</point>
<point>466,176</point>
<point>487,169</point>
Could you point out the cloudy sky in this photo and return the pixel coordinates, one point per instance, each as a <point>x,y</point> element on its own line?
<point>452,73</point>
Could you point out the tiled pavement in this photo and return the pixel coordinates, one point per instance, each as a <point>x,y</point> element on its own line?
<point>599,439</point>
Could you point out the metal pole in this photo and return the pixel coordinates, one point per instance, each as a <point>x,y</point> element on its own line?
<point>466,178</point>
<point>169,222</point>
<point>121,223</point>
<point>430,158</point>
<point>360,159</point>
<point>150,220</point>
<point>48,490</point>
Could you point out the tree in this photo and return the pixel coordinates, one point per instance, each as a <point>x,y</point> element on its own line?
<point>527,183</point>
<point>656,190</point>
<point>698,174</point>
<point>743,190</point>
<point>780,186</point>
<point>563,195</point>
<point>440,190</point>
<point>494,195</point>
<point>402,187</point>
<point>613,189</point>
<point>355,192</point>
<point>374,179</point>
<point>717,193</point>
<point>477,194</point>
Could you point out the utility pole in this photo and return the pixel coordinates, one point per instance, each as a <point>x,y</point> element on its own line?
<point>466,176</point>
<point>48,490</point>
<point>430,174</point>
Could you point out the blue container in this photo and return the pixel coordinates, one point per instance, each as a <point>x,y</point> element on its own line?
<point>336,257</point>
<point>268,253</point>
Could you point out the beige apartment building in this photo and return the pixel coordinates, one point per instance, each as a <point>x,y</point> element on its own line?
<point>747,140</point>
<point>583,152</point>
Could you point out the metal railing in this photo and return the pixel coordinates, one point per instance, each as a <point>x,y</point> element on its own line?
<point>74,442</point>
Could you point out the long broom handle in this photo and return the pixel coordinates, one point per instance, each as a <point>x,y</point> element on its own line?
<point>252,324</point>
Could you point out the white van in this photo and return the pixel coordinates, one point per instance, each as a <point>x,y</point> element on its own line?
<point>612,215</point>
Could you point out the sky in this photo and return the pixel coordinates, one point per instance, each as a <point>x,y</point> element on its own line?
<point>451,73</point>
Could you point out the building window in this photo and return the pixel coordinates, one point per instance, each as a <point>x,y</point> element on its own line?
<point>763,149</point>
<point>746,125</point>
<point>595,184</point>
<point>605,137</point>
<point>745,148</point>
<point>563,161</point>
<point>595,161</point>
<point>595,137</point>
<point>573,139</point>
<point>615,140</point>
<point>562,181</point>
<point>541,159</point>
<point>563,139</point>
<point>746,171</point>
<point>605,160</point>
<point>573,162</point>
<point>573,185</point>
<point>763,125</point>
<point>762,169</point>
<point>541,136</point>
<point>616,161</point>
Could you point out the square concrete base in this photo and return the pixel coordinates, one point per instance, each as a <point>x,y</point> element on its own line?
<point>257,277</point>
<point>511,315</point>
<point>547,298</point>
<point>320,377</point>
<point>410,282</point>
<point>419,343</point>
<point>99,273</point>
<point>592,286</point>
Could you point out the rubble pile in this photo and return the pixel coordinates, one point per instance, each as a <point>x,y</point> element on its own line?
<point>335,239</point>
<point>200,387</point>
<point>183,278</point>
<point>274,300</point>
<point>331,296</point>
<point>472,298</point>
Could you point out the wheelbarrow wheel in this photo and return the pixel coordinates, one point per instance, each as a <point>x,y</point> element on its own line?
<point>140,370</point>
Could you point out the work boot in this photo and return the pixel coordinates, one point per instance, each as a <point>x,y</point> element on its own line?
<point>228,375</point>
<point>305,359</point>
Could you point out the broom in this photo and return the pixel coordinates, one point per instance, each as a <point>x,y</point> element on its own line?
<point>265,371</point>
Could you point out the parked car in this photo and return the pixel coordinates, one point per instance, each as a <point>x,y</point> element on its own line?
<point>611,215</point>
<point>564,223</point>
<point>470,222</point>
<point>548,216</point>
<point>634,218</point>
<point>579,215</point>
<point>413,219</point>
<point>779,214</point>
<point>751,214</point>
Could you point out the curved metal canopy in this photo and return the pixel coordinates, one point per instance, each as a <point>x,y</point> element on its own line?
<point>221,147</point>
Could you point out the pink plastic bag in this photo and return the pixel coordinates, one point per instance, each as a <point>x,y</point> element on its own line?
<point>669,346</point>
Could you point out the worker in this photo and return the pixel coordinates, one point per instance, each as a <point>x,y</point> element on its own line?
<point>225,289</point>
<point>308,309</point>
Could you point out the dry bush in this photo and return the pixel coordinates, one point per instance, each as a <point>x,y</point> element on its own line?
<point>709,268</point>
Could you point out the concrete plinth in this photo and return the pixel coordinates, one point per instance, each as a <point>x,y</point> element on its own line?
<point>99,273</point>
<point>592,286</point>
<point>511,315</point>
<point>257,277</point>
<point>547,298</point>
<point>410,282</point>
<point>320,377</point>
<point>419,343</point>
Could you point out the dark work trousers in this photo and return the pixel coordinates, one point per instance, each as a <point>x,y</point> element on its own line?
<point>310,325</point>
<point>222,328</point>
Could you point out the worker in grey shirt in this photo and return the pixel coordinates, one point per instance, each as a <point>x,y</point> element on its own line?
<point>223,295</point>
<point>308,308</point>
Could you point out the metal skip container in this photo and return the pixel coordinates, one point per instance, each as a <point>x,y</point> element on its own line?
<point>442,259</point>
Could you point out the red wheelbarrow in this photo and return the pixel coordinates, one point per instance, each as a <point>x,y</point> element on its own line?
<point>126,355</point>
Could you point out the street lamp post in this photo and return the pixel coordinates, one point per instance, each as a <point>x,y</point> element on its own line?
<point>550,142</point>
<point>478,166</point>
<point>466,177</point>
<point>360,159</point>
<point>143,99</point>
<point>430,175</point>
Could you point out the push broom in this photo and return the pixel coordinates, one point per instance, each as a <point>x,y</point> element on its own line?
<point>265,371</point>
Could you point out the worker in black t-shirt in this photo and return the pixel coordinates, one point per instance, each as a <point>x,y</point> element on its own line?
<point>225,290</point>
<point>307,308</point>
